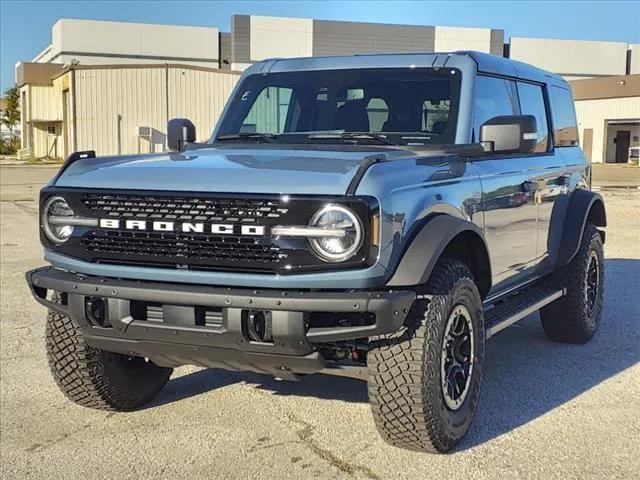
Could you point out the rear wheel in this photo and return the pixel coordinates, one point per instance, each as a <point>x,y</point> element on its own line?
<point>575,317</point>
<point>96,378</point>
<point>424,380</point>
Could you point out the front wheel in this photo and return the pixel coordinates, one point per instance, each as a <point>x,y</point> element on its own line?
<point>96,378</point>
<point>424,380</point>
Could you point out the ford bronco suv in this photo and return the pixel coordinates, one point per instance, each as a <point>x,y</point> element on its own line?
<point>370,216</point>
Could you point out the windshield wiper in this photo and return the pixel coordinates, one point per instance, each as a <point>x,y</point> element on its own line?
<point>382,139</point>
<point>267,137</point>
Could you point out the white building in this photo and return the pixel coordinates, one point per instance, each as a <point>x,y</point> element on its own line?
<point>91,42</point>
<point>576,59</point>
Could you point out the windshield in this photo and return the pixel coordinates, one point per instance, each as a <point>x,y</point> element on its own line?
<point>413,106</point>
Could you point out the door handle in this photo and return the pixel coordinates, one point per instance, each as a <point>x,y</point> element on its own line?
<point>529,186</point>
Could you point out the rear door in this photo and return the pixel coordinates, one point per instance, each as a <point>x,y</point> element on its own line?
<point>552,176</point>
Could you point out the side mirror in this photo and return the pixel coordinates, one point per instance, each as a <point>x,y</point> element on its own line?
<point>510,134</point>
<point>180,131</point>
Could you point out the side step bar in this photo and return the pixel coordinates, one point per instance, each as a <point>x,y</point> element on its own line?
<point>523,304</point>
<point>497,317</point>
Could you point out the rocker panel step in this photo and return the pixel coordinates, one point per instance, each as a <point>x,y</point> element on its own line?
<point>510,311</point>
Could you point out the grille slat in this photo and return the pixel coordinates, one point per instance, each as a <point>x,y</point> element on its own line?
<point>181,246</point>
<point>186,208</point>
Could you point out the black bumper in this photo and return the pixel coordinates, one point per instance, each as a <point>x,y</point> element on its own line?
<point>178,338</point>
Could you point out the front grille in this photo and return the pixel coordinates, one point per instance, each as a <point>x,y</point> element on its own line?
<point>204,246</point>
<point>182,248</point>
<point>183,208</point>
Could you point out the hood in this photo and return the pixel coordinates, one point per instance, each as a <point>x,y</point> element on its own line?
<point>237,169</point>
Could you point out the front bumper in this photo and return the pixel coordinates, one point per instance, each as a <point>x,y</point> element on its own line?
<point>178,337</point>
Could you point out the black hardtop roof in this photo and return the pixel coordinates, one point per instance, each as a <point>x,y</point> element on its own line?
<point>483,62</point>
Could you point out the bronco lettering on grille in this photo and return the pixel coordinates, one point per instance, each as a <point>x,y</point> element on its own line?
<point>184,227</point>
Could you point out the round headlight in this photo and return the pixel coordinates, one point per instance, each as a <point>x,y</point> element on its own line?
<point>53,220</point>
<point>343,247</point>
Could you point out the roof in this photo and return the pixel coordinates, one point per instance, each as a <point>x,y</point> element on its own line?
<point>619,86</point>
<point>465,60</point>
<point>123,66</point>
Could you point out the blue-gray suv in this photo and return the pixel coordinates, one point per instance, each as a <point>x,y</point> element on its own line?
<point>370,216</point>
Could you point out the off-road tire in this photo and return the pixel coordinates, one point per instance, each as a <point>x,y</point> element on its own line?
<point>404,383</point>
<point>95,378</point>
<point>568,319</point>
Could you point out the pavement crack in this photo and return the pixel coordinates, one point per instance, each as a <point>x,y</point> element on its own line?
<point>305,434</point>
<point>25,208</point>
<point>37,447</point>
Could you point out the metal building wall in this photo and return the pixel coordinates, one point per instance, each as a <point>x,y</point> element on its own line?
<point>112,102</point>
<point>39,113</point>
<point>199,95</point>
<point>43,104</point>
<point>594,114</point>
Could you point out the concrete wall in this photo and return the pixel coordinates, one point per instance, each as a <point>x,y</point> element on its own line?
<point>280,37</point>
<point>92,42</point>
<point>594,114</point>
<point>634,51</point>
<point>573,59</point>
<point>450,39</point>
<point>255,38</point>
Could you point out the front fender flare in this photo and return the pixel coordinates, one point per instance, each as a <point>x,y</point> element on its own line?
<point>426,248</point>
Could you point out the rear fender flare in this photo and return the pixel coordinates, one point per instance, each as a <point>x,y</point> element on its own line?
<point>568,220</point>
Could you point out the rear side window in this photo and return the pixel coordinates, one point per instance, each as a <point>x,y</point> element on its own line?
<point>565,127</point>
<point>532,103</point>
<point>494,97</point>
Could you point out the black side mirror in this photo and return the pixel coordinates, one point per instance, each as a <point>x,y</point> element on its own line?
<point>180,131</point>
<point>510,134</point>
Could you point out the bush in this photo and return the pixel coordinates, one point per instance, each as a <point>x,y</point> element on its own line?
<point>9,146</point>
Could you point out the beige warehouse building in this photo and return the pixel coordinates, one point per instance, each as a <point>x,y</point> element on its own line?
<point>608,111</point>
<point>112,86</point>
<point>116,109</point>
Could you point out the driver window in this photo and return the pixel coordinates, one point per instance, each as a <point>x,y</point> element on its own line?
<point>494,97</point>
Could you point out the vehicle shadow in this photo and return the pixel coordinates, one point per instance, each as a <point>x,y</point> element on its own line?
<point>526,375</point>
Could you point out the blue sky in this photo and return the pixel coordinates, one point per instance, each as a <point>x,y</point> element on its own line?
<point>25,26</point>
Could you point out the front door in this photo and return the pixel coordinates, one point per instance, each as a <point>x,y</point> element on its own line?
<point>509,204</point>
<point>623,138</point>
<point>509,186</point>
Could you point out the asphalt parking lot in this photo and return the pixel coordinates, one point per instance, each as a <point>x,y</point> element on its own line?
<point>546,411</point>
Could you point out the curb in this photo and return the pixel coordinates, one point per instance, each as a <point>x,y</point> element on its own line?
<point>615,187</point>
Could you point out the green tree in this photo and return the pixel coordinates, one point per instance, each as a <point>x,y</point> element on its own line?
<point>11,113</point>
